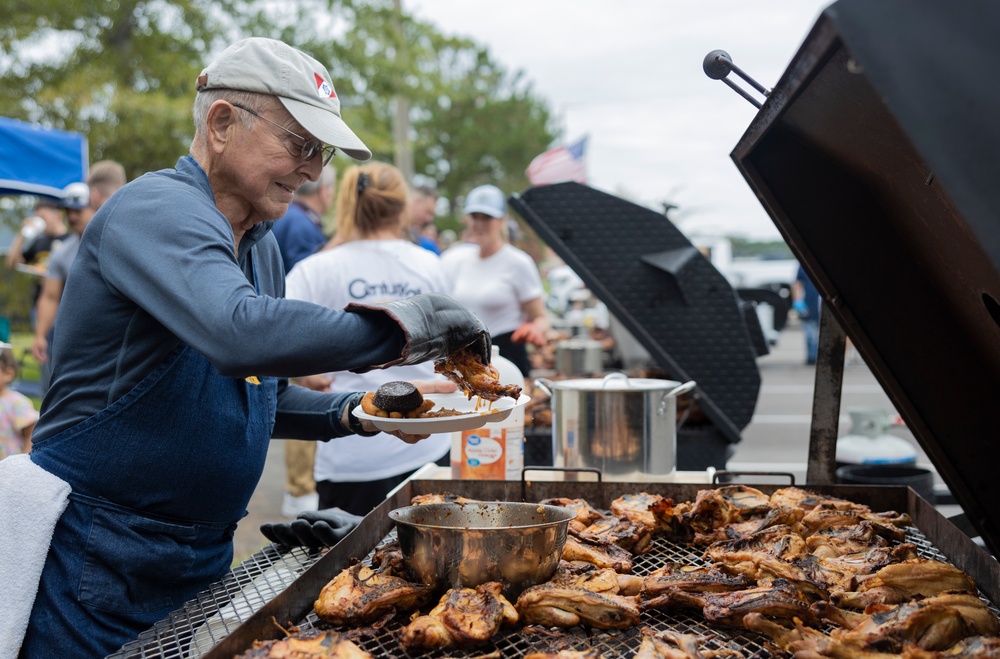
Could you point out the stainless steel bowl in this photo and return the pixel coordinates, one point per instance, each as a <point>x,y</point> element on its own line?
<point>451,545</point>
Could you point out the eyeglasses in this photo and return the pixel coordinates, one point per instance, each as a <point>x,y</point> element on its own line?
<point>307,149</point>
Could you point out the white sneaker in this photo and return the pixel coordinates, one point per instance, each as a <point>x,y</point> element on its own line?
<point>292,506</point>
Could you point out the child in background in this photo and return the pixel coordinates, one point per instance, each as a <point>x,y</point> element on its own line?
<point>17,414</point>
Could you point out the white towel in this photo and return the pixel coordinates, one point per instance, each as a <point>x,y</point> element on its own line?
<point>31,502</point>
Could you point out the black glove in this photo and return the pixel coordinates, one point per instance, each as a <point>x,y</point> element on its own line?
<point>313,528</point>
<point>435,326</point>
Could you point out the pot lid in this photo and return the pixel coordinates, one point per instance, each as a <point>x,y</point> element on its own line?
<point>876,157</point>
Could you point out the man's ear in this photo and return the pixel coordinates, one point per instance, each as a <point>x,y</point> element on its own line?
<point>220,125</point>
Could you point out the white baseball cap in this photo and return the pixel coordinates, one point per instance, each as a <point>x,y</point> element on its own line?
<point>301,83</point>
<point>487,199</point>
<point>75,196</point>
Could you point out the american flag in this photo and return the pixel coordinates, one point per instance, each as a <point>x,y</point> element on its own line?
<point>566,163</point>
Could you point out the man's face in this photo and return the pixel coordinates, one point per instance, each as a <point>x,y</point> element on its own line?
<point>78,219</point>
<point>423,209</point>
<point>53,219</point>
<point>260,172</point>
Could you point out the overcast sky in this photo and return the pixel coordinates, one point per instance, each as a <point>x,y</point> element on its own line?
<point>629,75</point>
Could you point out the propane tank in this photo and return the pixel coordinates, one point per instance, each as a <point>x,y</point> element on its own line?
<point>869,444</point>
<point>495,451</point>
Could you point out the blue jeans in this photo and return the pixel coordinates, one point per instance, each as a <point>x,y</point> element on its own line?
<point>811,329</point>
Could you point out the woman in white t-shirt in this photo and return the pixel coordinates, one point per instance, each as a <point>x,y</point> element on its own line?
<point>370,262</point>
<point>496,280</point>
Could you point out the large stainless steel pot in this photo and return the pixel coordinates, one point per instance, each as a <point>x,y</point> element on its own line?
<point>576,357</point>
<point>617,424</point>
<point>452,545</point>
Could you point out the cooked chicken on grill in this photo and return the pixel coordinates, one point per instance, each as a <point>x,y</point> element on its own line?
<point>927,625</point>
<point>668,645</point>
<point>795,497</point>
<point>552,605</point>
<point>585,513</point>
<point>742,555</point>
<point>668,516</point>
<point>310,645</point>
<point>678,585</point>
<point>468,371</point>
<point>358,595</point>
<point>899,582</point>
<point>752,524</point>
<point>980,647</point>
<point>821,518</point>
<point>713,509</point>
<point>463,617</point>
<point>973,610</point>
<point>597,552</point>
<point>443,497</point>
<point>592,653</point>
<point>596,579</point>
<point>777,598</point>
<point>840,540</point>
<point>633,537</point>
<point>637,508</point>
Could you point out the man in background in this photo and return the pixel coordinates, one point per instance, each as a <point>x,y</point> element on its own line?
<point>300,232</point>
<point>421,209</point>
<point>806,302</point>
<point>81,201</point>
<point>40,234</point>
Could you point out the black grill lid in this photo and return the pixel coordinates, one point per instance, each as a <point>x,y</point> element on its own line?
<point>877,155</point>
<point>665,292</point>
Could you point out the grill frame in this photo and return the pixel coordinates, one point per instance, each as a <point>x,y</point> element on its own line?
<point>934,535</point>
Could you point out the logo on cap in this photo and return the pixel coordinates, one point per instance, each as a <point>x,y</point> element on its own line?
<point>323,88</point>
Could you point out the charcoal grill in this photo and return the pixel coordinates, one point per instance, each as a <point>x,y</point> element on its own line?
<point>935,537</point>
<point>875,154</point>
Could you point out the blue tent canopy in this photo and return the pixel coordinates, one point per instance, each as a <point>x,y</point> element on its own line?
<point>39,161</point>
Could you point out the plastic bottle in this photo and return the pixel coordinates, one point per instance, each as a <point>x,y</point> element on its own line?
<point>33,227</point>
<point>495,451</point>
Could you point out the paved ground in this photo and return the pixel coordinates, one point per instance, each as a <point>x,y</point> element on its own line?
<point>777,438</point>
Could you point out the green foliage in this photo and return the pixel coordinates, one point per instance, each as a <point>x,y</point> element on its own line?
<point>772,249</point>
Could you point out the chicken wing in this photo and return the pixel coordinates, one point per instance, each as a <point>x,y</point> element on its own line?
<point>465,369</point>
<point>463,617</point>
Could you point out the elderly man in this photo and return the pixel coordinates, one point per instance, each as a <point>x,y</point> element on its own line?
<point>171,355</point>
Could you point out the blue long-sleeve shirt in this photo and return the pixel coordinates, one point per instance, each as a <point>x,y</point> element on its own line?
<point>157,265</point>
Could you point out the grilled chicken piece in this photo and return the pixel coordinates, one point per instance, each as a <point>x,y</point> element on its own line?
<point>463,617</point>
<point>592,653</point>
<point>713,509</point>
<point>637,508</point>
<point>678,585</point>
<point>777,598</point>
<point>840,540</point>
<point>389,558</point>
<point>443,497</point>
<point>669,516</point>
<point>929,626</point>
<point>789,517</point>
<point>790,639</point>
<point>742,555</point>
<point>668,645</point>
<point>795,497</point>
<point>310,645</point>
<point>899,582</point>
<point>974,612</point>
<point>358,595</point>
<point>596,579</point>
<point>467,370</point>
<point>840,574</point>
<point>823,518</point>
<point>597,552</point>
<point>636,538</point>
<point>565,606</point>
<point>974,646</point>
<point>585,513</point>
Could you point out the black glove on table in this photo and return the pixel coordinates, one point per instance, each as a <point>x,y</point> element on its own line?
<point>435,326</point>
<point>313,528</point>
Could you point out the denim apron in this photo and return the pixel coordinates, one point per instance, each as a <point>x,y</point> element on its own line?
<point>160,479</point>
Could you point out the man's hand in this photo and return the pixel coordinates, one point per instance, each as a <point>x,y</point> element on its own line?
<point>529,332</point>
<point>314,528</point>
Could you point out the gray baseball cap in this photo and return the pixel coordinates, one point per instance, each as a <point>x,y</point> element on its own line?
<point>487,199</point>
<point>301,83</point>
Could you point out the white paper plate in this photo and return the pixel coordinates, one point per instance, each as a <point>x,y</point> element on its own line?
<point>471,418</point>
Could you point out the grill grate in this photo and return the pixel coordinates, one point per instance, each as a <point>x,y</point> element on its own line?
<point>205,620</point>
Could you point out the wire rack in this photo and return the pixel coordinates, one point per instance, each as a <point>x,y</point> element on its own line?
<point>202,622</point>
